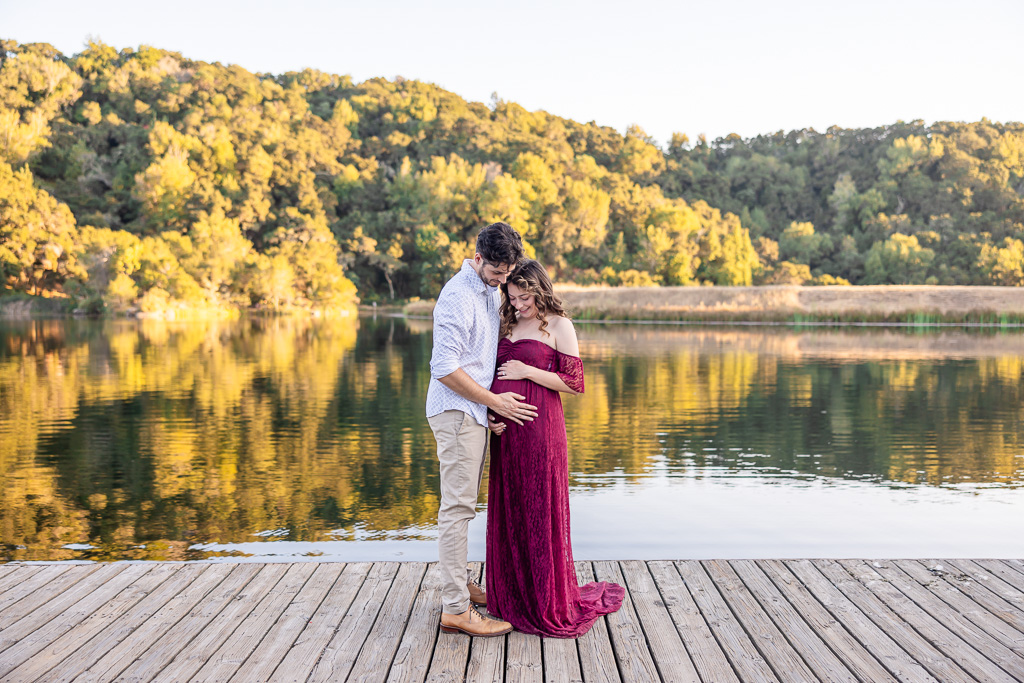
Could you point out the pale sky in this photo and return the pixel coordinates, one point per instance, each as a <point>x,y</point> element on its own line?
<point>744,67</point>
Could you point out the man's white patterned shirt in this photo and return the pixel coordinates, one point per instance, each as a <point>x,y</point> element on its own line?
<point>466,325</point>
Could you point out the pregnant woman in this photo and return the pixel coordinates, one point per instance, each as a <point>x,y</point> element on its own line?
<point>531,580</point>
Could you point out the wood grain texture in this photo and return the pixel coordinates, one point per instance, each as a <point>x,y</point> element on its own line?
<point>747,662</point>
<point>137,641</point>
<point>451,650</point>
<point>329,619</point>
<point>839,639</point>
<point>412,660</point>
<point>597,657</point>
<point>667,649</point>
<point>819,657</point>
<point>704,650</point>
<point>374,660</point>
<point>944,639</point>
<point>712,621</point>
<point>634,656</point>
<point>147,652</point>
<point>278,641</point>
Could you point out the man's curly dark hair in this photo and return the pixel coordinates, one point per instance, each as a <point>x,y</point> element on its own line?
<point>500,244</point>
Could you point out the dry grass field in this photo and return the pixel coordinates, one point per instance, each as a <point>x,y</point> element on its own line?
<point>875,303</point>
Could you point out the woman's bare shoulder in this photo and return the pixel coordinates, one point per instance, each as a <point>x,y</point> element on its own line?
<point>565,335</point>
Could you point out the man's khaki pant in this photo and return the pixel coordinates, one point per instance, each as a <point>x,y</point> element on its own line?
<point>461,444</point>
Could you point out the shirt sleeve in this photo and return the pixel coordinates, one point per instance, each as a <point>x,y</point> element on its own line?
<point>451,333</point>
<point>570,369</point>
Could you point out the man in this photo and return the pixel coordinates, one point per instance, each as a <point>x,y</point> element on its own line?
<point>466,323</point>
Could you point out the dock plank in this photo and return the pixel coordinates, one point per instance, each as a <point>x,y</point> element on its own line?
<point>826,666</point>
<point>597,657</point>
<point>561,660</point>
<point>666,647</point>
<point>341,652</point>
<point>748,663</point>
<point>705,652</point>
<point>379,648</point>
<point>918,647</point>
<point>329,617</point>
<point>523,658</point>
<point>15,577</point>
<point>15,574</point>
<point>839,640</point>
<point>137,641</point>
<point>34,632</point>
<point>1004,589</point>
<point>988,598</point>
<point>713,621</point>
<point>250,632</point>
<point>49,606</point>
<point>1004,571</point>
<point>885,649</point>
<point>260,666</point>
<point>938,635</point>
<point>953,619</point>
<point>486,655</point>
<point>16,603</point>
<point>94,636</point>
<point>412,660</point>
<point>962,603</point>
<point>766,636</point>
<point>636,662</point>
<point>213,632</point>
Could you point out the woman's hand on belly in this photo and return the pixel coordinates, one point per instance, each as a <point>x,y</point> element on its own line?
<point>514,369</point>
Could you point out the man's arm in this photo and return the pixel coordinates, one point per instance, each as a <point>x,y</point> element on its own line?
<point>507,404</point>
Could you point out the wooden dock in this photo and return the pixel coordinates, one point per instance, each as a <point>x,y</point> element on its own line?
<point>714,621</point>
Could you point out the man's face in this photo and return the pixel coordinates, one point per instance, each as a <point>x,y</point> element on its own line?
<point>492,274</point>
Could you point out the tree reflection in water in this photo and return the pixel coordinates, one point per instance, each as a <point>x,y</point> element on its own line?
<point>143,439</point>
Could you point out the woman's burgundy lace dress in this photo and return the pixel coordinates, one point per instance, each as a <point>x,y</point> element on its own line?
<point>531,580</point>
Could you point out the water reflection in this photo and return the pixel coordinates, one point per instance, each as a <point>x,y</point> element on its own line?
<point>155,440</point>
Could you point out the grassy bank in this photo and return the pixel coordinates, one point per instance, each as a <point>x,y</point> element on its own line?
<point>916,304</point>
<point>24,306</point>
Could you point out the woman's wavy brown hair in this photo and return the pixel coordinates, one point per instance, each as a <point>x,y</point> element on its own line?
<point>531,277</point>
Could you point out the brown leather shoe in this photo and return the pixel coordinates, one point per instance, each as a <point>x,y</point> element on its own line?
<point>473,623</point>
<point>477,595</point>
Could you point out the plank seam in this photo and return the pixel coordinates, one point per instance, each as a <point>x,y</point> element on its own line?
<point>721,646</point>
<point>237,623</point>
<point>405,624</point>
<point>736,616</point>
<point>780,627</point>
<point>947,604</point>
<point>68,655</point>
<point>647,638</point>
<point>896,622</point>
<point>313,612</point>
<point>117,673</point>
<point>835,617</point>
<point>909,625</point>
<point>355,593</point>
<point>947,578</point>
<point>280,616</point>
<point>953,634</point>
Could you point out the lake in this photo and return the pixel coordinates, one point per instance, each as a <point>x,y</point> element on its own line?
<point>290,439</point>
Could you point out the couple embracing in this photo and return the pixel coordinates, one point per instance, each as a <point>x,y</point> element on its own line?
<point>499,365</point>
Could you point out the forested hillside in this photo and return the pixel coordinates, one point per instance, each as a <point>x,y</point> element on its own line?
<point>140,179</point>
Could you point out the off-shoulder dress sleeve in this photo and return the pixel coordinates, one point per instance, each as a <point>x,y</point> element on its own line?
<point>570,369</point>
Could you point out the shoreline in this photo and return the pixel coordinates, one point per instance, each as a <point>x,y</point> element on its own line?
<point>864,305</point>
<point>855,305</point>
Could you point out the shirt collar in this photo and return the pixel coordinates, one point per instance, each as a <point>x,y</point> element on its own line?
<point>476,283</point>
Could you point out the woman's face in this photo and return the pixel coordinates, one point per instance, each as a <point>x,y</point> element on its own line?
<point>524,302</point>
